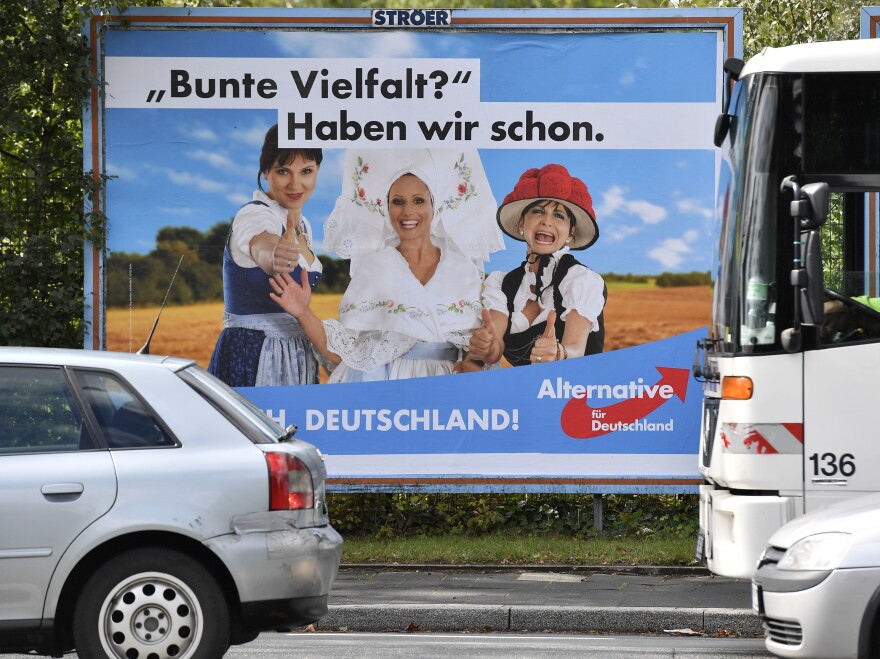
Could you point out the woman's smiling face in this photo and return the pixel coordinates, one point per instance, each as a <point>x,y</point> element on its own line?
<point>546,226</point>
<point>410,208</point>
<point>292,183</point>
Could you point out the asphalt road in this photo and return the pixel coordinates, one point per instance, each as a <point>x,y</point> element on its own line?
<point>495,646</point>
<point>351,645</point>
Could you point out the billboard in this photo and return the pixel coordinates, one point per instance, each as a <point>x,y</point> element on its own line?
<point>609,113</point>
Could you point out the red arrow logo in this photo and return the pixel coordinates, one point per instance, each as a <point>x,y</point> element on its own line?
<point>578,418</point>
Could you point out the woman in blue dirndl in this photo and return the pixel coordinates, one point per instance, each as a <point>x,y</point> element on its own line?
<point>260,345</point>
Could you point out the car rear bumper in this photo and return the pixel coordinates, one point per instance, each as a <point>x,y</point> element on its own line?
<point>284,576</point>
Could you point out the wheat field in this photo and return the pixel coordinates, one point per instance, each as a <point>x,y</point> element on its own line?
<point>632,317</point>
<point>187,331</point>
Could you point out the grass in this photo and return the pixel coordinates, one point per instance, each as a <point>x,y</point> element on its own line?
<point>631,285</point>
<point>502,549</point>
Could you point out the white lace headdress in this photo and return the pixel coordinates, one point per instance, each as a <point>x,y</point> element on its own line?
<point>464,207</point>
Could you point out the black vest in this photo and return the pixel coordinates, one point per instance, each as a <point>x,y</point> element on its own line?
<point>518,347</point>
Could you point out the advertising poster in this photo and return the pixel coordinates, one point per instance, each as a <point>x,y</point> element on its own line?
<point>422,146</point>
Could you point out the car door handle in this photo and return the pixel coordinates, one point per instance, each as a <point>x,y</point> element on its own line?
<point>55,489</point>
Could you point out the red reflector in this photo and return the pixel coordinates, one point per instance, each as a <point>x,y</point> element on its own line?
<point>290,483</point>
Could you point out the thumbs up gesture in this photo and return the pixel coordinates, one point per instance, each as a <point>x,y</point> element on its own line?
<point>546,346</point>
<point>276,254</point>
<point>287,250</point>
<point>483,339</point>
<point>485,347</point>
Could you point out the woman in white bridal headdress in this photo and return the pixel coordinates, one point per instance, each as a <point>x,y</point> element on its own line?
<point>417,226</point>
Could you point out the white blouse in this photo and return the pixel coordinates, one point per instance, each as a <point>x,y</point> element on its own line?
<point>581,291</point>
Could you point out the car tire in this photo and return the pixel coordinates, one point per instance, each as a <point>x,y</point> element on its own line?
<point>151,603</point>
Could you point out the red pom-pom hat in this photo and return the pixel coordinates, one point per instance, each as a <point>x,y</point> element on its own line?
<point>551,182</point>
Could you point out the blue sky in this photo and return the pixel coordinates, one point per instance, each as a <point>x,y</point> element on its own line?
<point>654,207</point>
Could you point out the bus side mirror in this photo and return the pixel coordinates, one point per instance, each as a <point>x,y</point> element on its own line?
<point>732,68</point>
<point>722,127</point>
<point>811,290</point>
<point>814,204</point>
<point>817,197</point>
<point>809,210</point>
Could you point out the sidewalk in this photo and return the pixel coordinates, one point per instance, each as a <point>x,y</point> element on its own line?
<point>560,599</point>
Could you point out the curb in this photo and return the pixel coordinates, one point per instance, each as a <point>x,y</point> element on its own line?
<point>488,618</point>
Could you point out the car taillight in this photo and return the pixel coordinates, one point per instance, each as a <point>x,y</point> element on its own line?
<point>290,483</point>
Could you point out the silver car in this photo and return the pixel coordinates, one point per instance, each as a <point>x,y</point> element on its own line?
<point>817,586</point>
<point>148,510</point>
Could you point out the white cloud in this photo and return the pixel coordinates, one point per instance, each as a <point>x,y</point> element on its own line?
<point>201,134</point>
<point>614,200</point>
<point>693,207</point>
<point>238,199</point>
<point>252,136</point>
<point>631,77</point>
<point>213,158</point>
<point>650,213</point>
<point>617,233</point>
<point>121,172</point>
<point>317,44</point>
<point>224,163</point>
<point>199,183</point>
<point>670,253</point>
<point>179,211</point>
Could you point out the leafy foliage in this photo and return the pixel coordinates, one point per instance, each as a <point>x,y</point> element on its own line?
<point>777,23</point>
<point>43,221</point>
<point>394,515</point>
<point>142,280</point>
<point>669,279</point>
<point>628,278</point>
<point>832,245</point>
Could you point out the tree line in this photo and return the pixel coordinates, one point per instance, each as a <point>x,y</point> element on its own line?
<point>143,279</point>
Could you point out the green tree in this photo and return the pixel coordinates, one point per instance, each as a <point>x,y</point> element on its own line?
<point>776,23</point>
<point>43,221</point>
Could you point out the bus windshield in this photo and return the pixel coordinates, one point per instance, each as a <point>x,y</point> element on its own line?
<point>815,127</point>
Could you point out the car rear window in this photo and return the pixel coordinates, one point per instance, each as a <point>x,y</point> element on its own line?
<point>123,418</point>
<point>237,409</point>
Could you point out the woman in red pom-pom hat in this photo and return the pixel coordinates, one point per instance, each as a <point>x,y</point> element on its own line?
<point>551,307</point>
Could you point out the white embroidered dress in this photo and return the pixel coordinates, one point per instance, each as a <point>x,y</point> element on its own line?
<point>390,325</point>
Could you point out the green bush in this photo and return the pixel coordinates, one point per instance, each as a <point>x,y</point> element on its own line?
<point>628,278</point>
<point>669,279</point>
<point>393,515</point>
